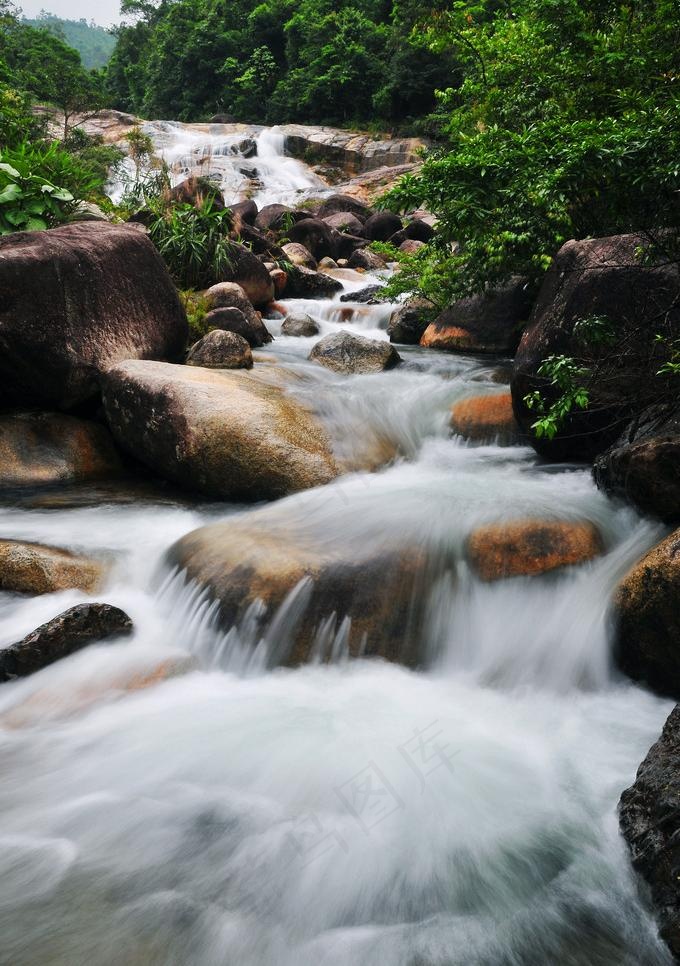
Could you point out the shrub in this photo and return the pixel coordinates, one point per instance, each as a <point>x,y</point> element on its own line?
<point>194,243</point>
<point>29,199</point>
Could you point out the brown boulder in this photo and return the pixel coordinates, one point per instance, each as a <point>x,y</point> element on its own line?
<point>368,260</point>
<point>529,547</point>
<point>297,254</point>
<point>280,280</point>
<point>347,353</point>
<point>233,320</point>
<point>344,203</point>
<point>300,324</point>
<point>306,284</point>
<point>31,568</point>
<point>197,192</point>
<point>485,418</point>
<point>344,221</point>
<point>409,321</point>
<point>246,270</point>
<point>229,295</point>
<point>75,300</point>
<point>646,619</point>
<point>482,324</point>
<point>316,236</point>
<point>44,449</point>
<point>220,349</point>
<point>226,433</point>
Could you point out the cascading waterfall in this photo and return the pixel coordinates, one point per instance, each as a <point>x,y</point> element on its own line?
<point>346,813</point>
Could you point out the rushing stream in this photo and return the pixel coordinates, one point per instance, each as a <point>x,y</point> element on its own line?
<point>352,813</point>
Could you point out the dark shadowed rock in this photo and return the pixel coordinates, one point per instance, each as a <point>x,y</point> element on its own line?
<point>646,619</point>
<point>346,244</point>
<point>601,278</point>
<point>273,217</point>
<point>482,324</point>
<point>31,568</point>
<point>315,235</point>
<point>381,226</point>
<point>246,270</point>
<point>419,230</point>
<point>221,349</point>
<point>244,211</point>
<point>348,353</point>
<point>649,818</point>
<point>45,449</point>
<point>409,321</point>
<point>299,324</point>
<point>369,261</point>
<point>233,320</point>
<point>197,192</point>
<point>303,283</point>
<point>75,300</point>
<point>365,296</point>
<point>225,433</point>
<point>260,242</point>
<point>73,630</point>
<point>344,203</point>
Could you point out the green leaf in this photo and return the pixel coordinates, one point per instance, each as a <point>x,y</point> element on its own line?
<point>36,224</point>
<point>8,169</point>
<point>11,193</point>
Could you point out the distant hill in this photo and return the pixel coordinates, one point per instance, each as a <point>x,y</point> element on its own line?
<point>94,43</point>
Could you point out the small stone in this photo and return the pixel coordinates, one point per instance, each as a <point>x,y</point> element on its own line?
<point>220,349</point>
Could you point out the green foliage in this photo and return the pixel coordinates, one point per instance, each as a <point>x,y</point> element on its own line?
<point>194,243</point>
<point>566,376</point>
<point>565,126</point>
<point>196,308</point>
<point>29,200</point>
<point>94,43</point>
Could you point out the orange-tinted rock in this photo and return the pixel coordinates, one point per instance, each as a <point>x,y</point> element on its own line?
<point>31,568</point>
<point>530,547</point>
<point>485,418</point>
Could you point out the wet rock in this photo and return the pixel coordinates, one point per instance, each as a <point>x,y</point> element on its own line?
<point>649,818</point>
<point>197,192</point>
<point>365,296</point>
<point>315,235</point>
<point>303,283</point>
<point>327,263</point>
<point>340,204</point>
<point>44,449</point>
<point>646,619</point>
<point>220,349</point>
<point>233,320</point>
<point>76,300</point>
<point>381,226</point>
<point>299,255</point>
<point>409,321</point>
<point>347,353</point>
<point>31,568</point>
<point>258,557</point>
<point>246,270</point>
<point>345,221</point>
<point>643,466</point>
<point>71,631</point>
<point>244,211</point>
<point>300,324</point>
<point>486,419</point>
<point>602,278</point>
<point>231,434</point>
<point>530,547</point>
<point>369,261</point>
<point>485,324</point>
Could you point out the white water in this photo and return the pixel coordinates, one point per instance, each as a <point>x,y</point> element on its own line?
<point>352,814</point>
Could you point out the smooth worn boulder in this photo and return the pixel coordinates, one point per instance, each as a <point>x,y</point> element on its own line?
<point>246,270</point>
<point>31,568</point>
<point>299,324</point>
<point>368,260</point>
<point>297,254</point>
<point>273,217</point>
<point>75,300</point>
<point>244,212</point>
<point>649,818</point>
<point>316,236</point>
<point>229,295</point>
<point>233,320</point>
<point>530,547</point>
<point>327,263</point>
<point>45,449</point>
<point>345,221</point>
<point>643,465</point>
<point>260,558</point>
<point>220,349</point>
<point>646,619</point>
<point>231,434</point>
<point>259,242</point>
<point>381,226</point>
<point>490,323</point>
<point>197,192</point>
<point>71,631</point>
<point>408,322</point>
<point>609,280</point>
<point>485,419</point>
<point>346,244</point>
<point>344,203</point>
<point>348,353</point>
<point>303,283</point>
<point>419,230</point>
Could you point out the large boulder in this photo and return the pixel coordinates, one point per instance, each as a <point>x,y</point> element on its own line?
<point>643,465</point>
<point>71,631</point>
<point>220,349</point>
<point>408,322</point>
<point>246,270</point>
<point>303,283</point>
<point>381,226</point>
<point>228,434</point>
<point>345,221</point>
<point>367,260</point>
<point>343,203</point>
<point>297,254</point>
<point>75,300</point>
<point>277,218</point>
<point>317,237</point>
<point>605,279</point>
<point>229,295</point>
<point>233,320</point>
<point>485,419</point>
<point>490,323</point>
<point>262,558</point>
<point>46,449</point>
<point>646,619</point>
<point>347,353</point>
<point>649,818</point>
<point>244,212</point>
<point>527,548</point>
<point>31,568</point>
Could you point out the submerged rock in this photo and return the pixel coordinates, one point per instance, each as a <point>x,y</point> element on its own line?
<point>64,635</point>
<point>649,817</point>
<point>226,433</point>
<point>299,324</point>
<point>45,449</point>
<point>486,419</point>
<point>348,353</point>
<point>646,619</point>
<point>530,547</point>
<point>31,568</point>
<point>76,300</point>
<point>221,350</point>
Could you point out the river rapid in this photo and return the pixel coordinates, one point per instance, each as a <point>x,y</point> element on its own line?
<point>351,813</point>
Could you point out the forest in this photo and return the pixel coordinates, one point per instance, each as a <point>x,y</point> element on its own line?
<point>94,43</point>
